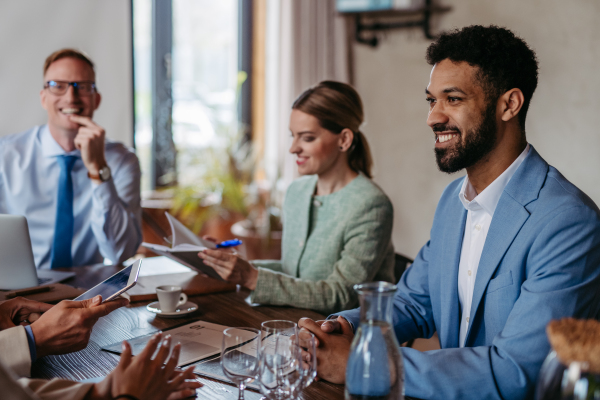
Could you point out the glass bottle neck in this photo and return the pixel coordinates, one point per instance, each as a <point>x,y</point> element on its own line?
<point>376,306</point>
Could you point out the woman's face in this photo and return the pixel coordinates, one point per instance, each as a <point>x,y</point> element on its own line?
<point>317,149</point>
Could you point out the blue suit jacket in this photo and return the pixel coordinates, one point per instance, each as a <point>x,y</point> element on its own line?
<point>540,261</point>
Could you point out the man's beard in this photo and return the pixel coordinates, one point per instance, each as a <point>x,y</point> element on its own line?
<point>477,144</point>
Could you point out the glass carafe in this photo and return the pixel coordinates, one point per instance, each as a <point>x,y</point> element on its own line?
<point>558,381</point>
<point>374,369</point>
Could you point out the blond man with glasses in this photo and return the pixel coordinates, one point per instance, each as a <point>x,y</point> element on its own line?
<point>79,192</point>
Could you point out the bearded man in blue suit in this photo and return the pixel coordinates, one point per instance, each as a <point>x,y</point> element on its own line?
<point>513,244</point>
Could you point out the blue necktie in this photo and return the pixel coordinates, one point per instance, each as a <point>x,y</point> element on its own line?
<point>63,227</point>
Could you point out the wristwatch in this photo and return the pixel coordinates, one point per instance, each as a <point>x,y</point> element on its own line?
<point>103,175</point>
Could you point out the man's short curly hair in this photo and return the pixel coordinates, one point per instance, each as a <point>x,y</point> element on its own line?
<point>504,60</point>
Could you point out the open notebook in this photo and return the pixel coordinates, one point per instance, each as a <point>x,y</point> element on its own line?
<point>185,248</point>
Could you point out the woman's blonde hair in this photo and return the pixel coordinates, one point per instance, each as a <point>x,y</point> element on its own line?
<point>337,106</point>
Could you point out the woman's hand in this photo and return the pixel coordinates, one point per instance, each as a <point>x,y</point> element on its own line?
<point>188,387</point>
<point>146,378</point>
<point>231,267</point>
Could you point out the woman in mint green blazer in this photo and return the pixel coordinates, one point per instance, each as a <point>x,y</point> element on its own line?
<point>337,223</point>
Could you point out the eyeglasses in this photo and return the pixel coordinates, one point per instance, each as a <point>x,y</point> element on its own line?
<point>84,88</point>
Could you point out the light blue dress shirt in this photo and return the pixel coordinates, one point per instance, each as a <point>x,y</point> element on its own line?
<point>107,215</point>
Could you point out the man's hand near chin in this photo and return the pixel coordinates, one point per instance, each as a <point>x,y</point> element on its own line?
<point>67,326</point>
<point>334,338</point>
<point>90,142</point>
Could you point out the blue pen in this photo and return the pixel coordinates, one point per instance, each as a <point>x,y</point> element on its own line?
<point>229,243</point>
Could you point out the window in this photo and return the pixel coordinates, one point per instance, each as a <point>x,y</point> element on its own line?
<point>142,47</point>
<point>203,69</point>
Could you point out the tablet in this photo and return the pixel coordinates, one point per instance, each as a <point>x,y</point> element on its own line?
<point>117,284</point>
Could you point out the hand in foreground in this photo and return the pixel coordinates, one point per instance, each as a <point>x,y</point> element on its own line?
<point>231,267</point>
<point>188,387</point>
<point>146,378</point>
<point>333,347</point>
<point>19,311</point>
<point>90,141</point>
<point>67,326</point>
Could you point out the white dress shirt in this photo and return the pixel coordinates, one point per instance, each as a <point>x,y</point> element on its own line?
<point>480,210</point>
<point>107,216</point>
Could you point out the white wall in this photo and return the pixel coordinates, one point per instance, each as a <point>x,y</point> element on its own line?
<point>562,123</point>
<point>32,29</point>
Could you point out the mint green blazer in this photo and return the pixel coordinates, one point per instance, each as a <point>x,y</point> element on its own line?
<point>330,243</point>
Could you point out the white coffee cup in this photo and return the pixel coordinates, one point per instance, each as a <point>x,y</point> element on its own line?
<point>170,297</point>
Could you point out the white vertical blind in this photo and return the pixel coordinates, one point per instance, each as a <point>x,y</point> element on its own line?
<point>32,29</point>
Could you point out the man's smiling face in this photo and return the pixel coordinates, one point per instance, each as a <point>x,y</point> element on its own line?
<point>60,107</point>
<point>462,119</point>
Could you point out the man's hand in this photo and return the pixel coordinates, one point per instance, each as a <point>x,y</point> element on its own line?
<point>333,346</point>
<point>90,141</point>
<point>67,326</point>
<point>338,325</point>
<point>231,267</point>
<point>19,311</point>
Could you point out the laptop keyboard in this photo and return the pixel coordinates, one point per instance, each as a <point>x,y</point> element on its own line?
<point>41,281</point>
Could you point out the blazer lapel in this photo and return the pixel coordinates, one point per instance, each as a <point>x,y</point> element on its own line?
<point>302,222</point>
<point>509,217</point>
<point>451,247</point>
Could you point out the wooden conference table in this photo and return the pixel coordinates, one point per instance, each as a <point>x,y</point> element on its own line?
<point>229,309</point>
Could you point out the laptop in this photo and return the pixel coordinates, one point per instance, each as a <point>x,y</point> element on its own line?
<point>17,268</point>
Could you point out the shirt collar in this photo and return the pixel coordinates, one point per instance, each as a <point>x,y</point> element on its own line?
<point>50,147</point>
<point>488,199</point>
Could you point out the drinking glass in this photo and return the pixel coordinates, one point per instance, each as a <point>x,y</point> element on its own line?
<point>560,381</point>
<point>280,358</point>
<point>308,353</point>
<point>240,356</point>
<point>277,326</point>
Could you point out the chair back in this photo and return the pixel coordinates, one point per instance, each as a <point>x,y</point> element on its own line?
<point>400,264</point>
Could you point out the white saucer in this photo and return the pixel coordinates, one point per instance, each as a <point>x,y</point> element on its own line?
<point>180,311</point>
